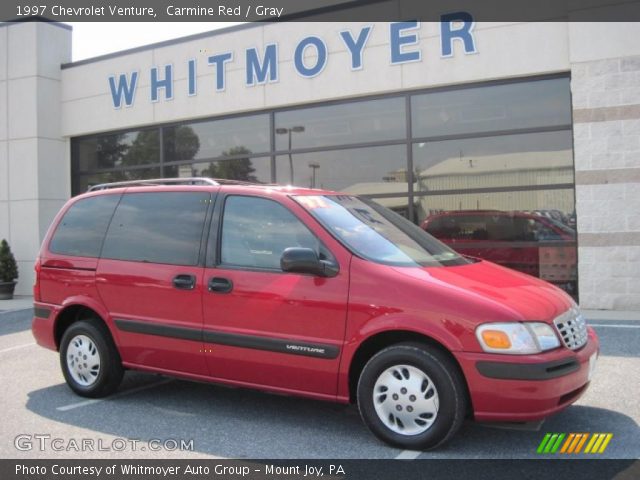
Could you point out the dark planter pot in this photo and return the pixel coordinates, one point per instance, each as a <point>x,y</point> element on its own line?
<point>6,290</point>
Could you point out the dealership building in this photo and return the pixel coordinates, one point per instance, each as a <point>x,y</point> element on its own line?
<point>518,142</point>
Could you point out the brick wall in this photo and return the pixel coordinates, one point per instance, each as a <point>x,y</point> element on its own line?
<point>606,110</point>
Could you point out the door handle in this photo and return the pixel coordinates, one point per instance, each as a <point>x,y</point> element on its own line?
<point>220,285</point>
<point>184,282</point>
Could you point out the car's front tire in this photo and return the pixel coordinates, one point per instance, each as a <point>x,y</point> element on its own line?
<point>89,359</point>
<point>412,396</point>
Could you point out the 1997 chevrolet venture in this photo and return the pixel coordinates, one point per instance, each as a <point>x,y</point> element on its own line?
<point>306,292</point>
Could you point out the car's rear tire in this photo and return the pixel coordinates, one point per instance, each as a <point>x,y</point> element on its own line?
<point>412,396</point>
<point>89,359</point>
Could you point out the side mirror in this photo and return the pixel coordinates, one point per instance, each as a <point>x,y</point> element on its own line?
<point>305,260</point>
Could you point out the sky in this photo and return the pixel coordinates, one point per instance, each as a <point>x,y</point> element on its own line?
<point>91,39</point>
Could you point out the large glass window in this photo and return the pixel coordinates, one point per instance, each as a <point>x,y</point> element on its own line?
<point>507,199</point>
<point>355,122</point>
<point>558,202</point>
<point>541,103</point>
<point>120,150</point>
<point>363,171</point>
<point>82,228</point>
<point>174,220</point>
<point>519,161</point>
<point>493,147</point>
<point>217,138</point>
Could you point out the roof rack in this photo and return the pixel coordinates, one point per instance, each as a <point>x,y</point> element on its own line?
<point>155,181</point>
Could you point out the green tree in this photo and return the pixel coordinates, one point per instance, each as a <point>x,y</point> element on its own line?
<point>144,149</point>
<point>237,169</point>
<point>8,265</point>
<point>186,143</point>
<point>111,150</point>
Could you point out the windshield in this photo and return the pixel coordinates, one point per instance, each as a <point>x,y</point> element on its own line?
<point>378,234</point>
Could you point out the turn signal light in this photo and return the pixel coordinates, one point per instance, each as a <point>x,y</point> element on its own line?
<point>496,339</point>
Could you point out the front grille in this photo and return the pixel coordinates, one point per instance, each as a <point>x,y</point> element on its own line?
<point>572,328</point>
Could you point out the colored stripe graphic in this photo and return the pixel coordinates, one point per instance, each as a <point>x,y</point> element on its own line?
<point>599,443</point>
<point>551,442</point>
<point>582,440</point>
<point>555,447</point>
<point>572,443</point>
<point>596,445</point>
<point>577,439</point>
<point>606,442</point>
<point>591,442</point>
<point>576,444</point>
<point>568,442</point>
<point>543,443</point>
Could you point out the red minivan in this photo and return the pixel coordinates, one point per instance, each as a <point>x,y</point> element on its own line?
<point>306,292</point>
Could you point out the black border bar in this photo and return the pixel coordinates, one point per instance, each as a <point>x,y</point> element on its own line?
<point>320,11</point>
<point>427,468</point>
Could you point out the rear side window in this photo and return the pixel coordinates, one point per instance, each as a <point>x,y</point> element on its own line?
<point>163,227</point>
<point>82,228</point>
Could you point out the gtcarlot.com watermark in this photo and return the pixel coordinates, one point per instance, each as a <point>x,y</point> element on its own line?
<point>47,443</point>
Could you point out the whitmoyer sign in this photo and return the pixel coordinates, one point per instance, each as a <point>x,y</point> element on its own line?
<point>310,57</point>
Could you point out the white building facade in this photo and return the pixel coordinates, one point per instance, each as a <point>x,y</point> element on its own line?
<point>468,122</point>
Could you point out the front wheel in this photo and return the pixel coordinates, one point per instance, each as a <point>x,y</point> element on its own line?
<point>89,359</point>
<point>412,396</point>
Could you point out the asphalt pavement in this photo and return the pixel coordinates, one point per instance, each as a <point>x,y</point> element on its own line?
<point>159,417</point>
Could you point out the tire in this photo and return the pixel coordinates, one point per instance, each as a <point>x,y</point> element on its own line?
<point>412,396</point>
<point>89,359</point>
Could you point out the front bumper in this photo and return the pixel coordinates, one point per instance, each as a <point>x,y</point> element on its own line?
<point>526,388</point>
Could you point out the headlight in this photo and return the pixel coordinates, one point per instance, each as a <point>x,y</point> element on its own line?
<point>544,334</point>
<point>517,338</point>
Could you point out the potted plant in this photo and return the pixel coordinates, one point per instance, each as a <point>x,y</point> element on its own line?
<point>8,271</point>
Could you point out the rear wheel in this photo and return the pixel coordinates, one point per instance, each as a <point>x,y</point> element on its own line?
<point>412,396</point>
<point>89,359</point>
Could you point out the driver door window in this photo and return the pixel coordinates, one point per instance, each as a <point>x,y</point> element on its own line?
<point>255,232</point>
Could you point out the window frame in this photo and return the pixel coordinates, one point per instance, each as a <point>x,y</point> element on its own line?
<point>414,198</point>
<point>348,106</point>
<point>214,243</point>
<point>203,234</point>
<point>406,140</point>
<point>216,119</point>
<point>64,214</point>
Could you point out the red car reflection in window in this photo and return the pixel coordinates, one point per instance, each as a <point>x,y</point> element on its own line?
<point>530,243</point>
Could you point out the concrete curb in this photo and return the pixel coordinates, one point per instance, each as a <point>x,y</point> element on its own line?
<point>610,315</point>
<point>21,302</point>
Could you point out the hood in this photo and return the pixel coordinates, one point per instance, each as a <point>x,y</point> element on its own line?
<point>527,297</point>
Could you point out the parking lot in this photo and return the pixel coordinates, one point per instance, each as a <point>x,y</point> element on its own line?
<point>238,423</point>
